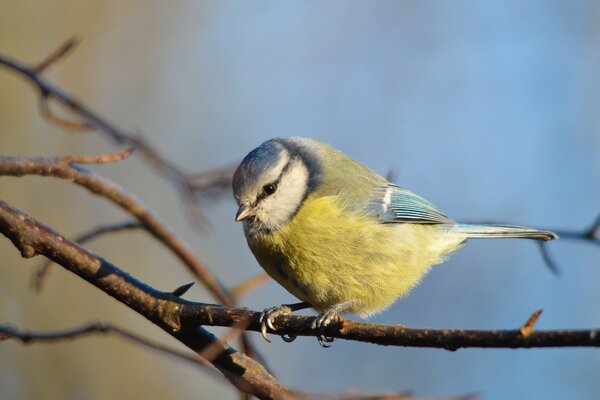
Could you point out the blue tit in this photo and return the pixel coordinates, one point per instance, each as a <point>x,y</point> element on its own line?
<point>338,236</point>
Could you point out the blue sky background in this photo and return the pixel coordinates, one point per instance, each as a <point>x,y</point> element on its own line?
<point>487,109</point>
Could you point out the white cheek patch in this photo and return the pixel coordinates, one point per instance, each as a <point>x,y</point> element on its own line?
<point>274,211</point>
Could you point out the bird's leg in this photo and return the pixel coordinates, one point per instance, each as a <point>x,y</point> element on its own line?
<point>325,318</point>
<point>269,314</point>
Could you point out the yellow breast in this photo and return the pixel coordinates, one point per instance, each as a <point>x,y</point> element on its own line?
<point>328,255</point>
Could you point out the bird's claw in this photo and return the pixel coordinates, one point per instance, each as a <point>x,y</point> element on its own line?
<point>268,316</point>
<point>321,323</point>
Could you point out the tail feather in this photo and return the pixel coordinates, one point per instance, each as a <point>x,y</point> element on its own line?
<point>504,231</point>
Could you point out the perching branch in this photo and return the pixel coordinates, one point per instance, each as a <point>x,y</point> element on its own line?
<point>161,308</point>
<point>178,316</point>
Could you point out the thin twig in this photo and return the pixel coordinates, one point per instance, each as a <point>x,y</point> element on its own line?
<point>527,328</point>
<point>55,167</point>
<point>61,122</point>
<point>185,182</point>
<point>250,285</point>
<point>236,330</point>
<point>587,235</point>
<point>28,337</point>
<point>41,275</point>
<point>57,55</point>
<point>547,258</point>
<point>97,159</point>
<point>595,229</point>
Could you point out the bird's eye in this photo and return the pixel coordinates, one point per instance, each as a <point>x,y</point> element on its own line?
<point>270,188</point>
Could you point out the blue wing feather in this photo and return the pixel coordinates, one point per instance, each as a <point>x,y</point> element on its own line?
<point>399,205</point>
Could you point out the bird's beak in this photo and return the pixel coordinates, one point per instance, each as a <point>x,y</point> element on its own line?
<point>244,212</point>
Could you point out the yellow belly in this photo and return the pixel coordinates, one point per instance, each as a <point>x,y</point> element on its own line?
<point>327,255</point>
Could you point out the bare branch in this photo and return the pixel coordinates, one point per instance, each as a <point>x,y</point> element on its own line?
<point>526,329</point>
<point>180,317</point>
<point>250,285</point>
<point>185,183</point>
<point>62,168</point>
<point>592,232</point>
<point>237,330</point>
<point>163,309</point>
<point>55,167</point>
<point>548,260</point>
<point>97,159</point>
<point>588,235</point>
<point>42,273</point>
<point>60,122</point>
<point>27,337</point>
<point>57,55</point>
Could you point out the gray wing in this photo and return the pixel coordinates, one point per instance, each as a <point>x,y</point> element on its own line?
<point>398,205</point>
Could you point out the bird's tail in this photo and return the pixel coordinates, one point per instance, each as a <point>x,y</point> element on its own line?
<point>503,231</point>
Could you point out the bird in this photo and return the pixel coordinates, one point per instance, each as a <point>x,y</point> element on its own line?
<point>338,236</point>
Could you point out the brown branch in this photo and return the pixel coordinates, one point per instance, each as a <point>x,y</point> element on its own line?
<point>250,285</point>
<point>42,273</point>
<point>163,309</point>
<point>57,55</point>
<point>209,353</point>
<point>526,329</point>
<point>177,315</point>
<point>54,119</point>
<point>60,168</point>
<point>97,159</point>
<point>186,183</point>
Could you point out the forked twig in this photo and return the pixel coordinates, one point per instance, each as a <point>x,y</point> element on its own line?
<point>187,184</point>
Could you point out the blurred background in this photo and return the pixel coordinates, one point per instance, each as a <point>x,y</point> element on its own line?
<point>487,109</point>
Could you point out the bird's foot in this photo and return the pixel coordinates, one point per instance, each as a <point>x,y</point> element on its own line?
<point>269,314</point>
<point>321,323</point>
